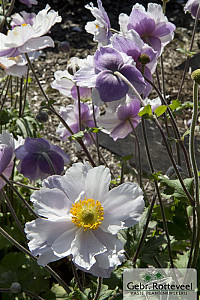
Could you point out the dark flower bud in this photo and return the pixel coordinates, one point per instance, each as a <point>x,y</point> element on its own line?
<point>144,59</point>
<point>15,288</point>
<point>196,76</point>
<point>42,116</point>
<point>171,172</point>
<point>64,47</point>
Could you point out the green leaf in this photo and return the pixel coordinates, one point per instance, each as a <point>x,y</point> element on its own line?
<point>4,117</point>
<point>189,53</point>
<point>175,104</point>
<point>93,129</point>
<point>160,110</point>
<point>78,135</point>
<point>146,112</point>
<point>182,260</point>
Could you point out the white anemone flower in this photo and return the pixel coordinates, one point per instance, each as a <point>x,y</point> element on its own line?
<point>80,217</point>
<point>27,38</point>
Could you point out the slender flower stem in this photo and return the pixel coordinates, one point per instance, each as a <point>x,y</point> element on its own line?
<point>159,196</point>
<point>176,131</point>
<point>7,14</point>
<point>24,185</point>
<point>100,280</point>
<point>27,252</point>
<point>139,156</point>
<point>79,108</point>
<point>76,277</point>
<point>20,97</point>
<point>4,99</point>
<point>69,129</point>
<point>97,134</point>
<point>130,85</point>
<point>163,76</point>
<point>145,230</point>
<point>19,195</point>
<point>25,91</point>
<point>46,156</point>
<point>13,212</point>
<point>188,56</point>
<point>4,290</point>
<point>195,170</point>
<point>122,173</point>
<point>193,238</point>
<point>36,78</point>
<point>2,91</point>
<point>33,295</point>
<point>190,198</point>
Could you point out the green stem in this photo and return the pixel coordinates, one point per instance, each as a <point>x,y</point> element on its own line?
<point>79,108</point>
<point>100,280</point>
<point>13,213</point>
<point>130,85</point>
<point>195,170</point>
<point>97,135</point>
<point>46,156</point>
<point>27,252</point>
<point>19,195</point>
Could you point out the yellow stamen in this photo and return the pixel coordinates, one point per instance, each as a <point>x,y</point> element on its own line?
<point>97,26</point>
<point>24,24</point>
<point>87,213</point>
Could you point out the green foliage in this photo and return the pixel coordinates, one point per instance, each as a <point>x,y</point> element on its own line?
<point>160,110</point>
<point>146,112</point>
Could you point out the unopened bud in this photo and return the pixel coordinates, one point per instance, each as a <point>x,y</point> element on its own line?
<point>42,116</point>
<point>15,288</point>
<point>196,76</point>
<point>64,47</point>
<point>144,59</point>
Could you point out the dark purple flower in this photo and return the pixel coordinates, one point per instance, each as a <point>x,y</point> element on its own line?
<point>152,25</point>
<point>39,158</point>
<point>101,74</point>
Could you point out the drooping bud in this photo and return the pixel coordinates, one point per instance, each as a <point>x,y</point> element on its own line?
<point>42,116</point>
<point>15,288</point>
<point>196,76</point>
<point>144,59</point>
<point>64,47</point>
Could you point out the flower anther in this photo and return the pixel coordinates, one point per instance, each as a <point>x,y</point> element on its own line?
<point>87,213</point>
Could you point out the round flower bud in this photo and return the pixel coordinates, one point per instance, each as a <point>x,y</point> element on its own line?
<point>196,76</point>
<point>144,59</point>
<point>42,116</point>
<point>15,288</point>
<point>64,47</point>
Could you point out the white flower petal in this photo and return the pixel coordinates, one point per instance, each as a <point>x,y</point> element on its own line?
<point>125,202</point>
<point>62,245</point>
<point>97,183</point>
<point>50,203</point>
<point>36,44</point>
<point>84,248</point>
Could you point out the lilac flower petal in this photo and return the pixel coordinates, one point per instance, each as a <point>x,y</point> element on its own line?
<point>140,22</point>
<point>7,173</point>
<point>29,166</point>
<point>163,29</point>
<point>121,131</point>
<point>155,43</point>
<point>127,46</point>
<point>134,76</point>
<point>110,87</point>
<point>57,162</point>
<point>107,58</point>
<point>85,93</point>
<point>6,153</point>
<point>126,111</point>
<point>33,145</point>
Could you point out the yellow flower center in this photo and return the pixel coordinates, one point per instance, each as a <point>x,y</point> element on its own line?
<point>24,24</point>
<point>97,26</point>
<point>87,213</point>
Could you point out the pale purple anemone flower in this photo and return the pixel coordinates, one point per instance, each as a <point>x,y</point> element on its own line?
<point>28,38</point>
<point>100,28</point>
<point>21,18</point>
<point>71,116</point>
<point>80,217</point>
<point>192,7</point>
<point>100,74</point>
<point>152,25</point>
<point>64,83</point>
<point>120,123</point>
<point>133,46</point>
<point>7,146</point>
<point>29,3</point>
<point>39,158</point>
